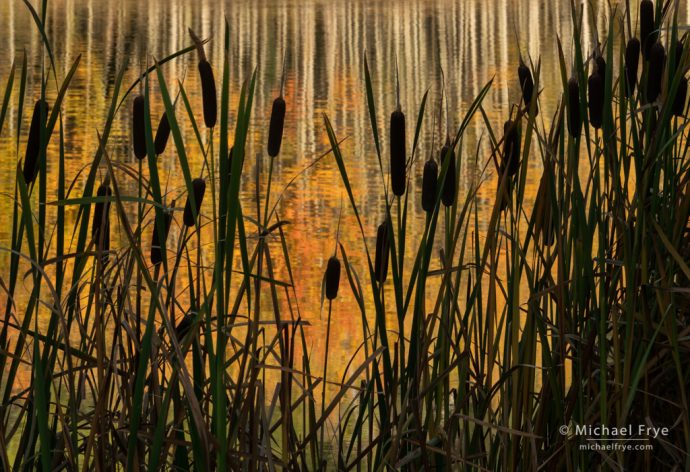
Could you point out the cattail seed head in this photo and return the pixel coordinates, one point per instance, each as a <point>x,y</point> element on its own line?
<point>449,184</point>
<point>526,85</point>
<point>156,244</point>
<point>632,58</point>
<point>647,30</point>
<point>595,90</point>
<point>657,59</point>
<point>429,184</point>
<point>600,67</point>
<point>275,128</point>
<point>574,122</point>
<point>162,134</point>
<point>138,128</point>
<point>208,93</point>
<point>681,95</point>
<point>332,277</point>
<point>382,252</point>
<point>511,148</point>
<point>100,226</point>
<point>398,159</point>
<point>199,188</point>
<point>33,144</point>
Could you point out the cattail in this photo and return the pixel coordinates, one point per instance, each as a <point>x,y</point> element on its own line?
<point>184,326</point>
<point>526,85</point>
<point>332,277</point>
<point>208,84</point>
<point>449,184</point>
<point>208,93</point>
<point>681,95</point>
<point>574,122</point>
<point>275,128</point>
<point>595,90</point>
<point>632,58</point>
<point>382,252</point>
<point>33,144</point>
<point>600,67</point>
<point>199,187</point>
<point>647,32</point>
<point>678,56</point>
<point>398,159</point>
<point>657,58</point>
<point>138,128</point>
<point>511,148</point>
<point>100,226</point>
<point>162,134</point>
<point>156,245</point>
<point>429,184</point>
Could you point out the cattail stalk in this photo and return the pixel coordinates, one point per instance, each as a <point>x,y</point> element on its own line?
<point>33,144</point>
<point>632,58</point>
<point>208,84</point>
<point>156,244</point>
<point>382,253</point>
<point>138,128</point>
<point>332,277</point>
<point>199,188</point>
<point>657,59</point>
<point>429,185</point>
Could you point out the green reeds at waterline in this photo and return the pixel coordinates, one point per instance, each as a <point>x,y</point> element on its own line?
<point>595,95</point>
<point>33,144</point>
<point>526,85</point>
<point>275,127</point>
<point>657,59</point>
<point>429,185</point>
<point>648,34</point>
<point>189,216</point>
<point>449,184</point>
<point>511,148</point>
<point>574,120</point>
<point>397,152</point>
<point>156,245</point>
<point>100,226</point>
<point>632,60</point>
<point>162,135</point>
<point>138,127</point>
<point>208,84</point>
<point>382,253</point>
<point>332,277</point>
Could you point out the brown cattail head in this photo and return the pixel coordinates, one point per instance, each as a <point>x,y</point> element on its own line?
<point>382,252</point>
<point>33,144</point>
<point>100,226</point>
<point>275,128</point>
<point>595,90</point>
<point>647,29</point>
<point>526,85</point>
<point>208,93</point>
<point>156,245</point>
<point>511,148</point>
<point>199,187</point>
<point>600,67</point>
<point>429,185</point>
<point>138,128</point>
<point>398,159</point>
<point>332,277</point>
<point>162,134</point>
<point>657,59</point>
<point>632,59</point>
<point>449,184</point>
<point>574,121</point>
<point>681,95</point>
